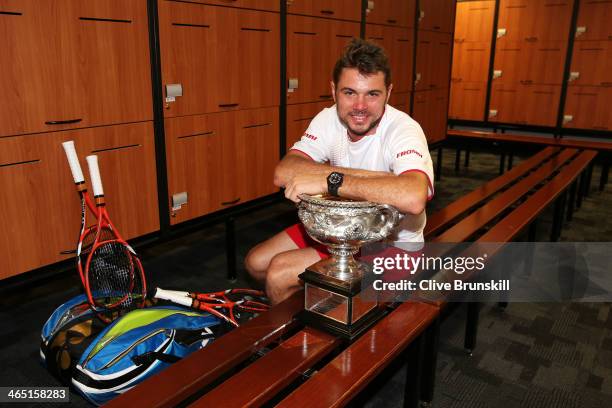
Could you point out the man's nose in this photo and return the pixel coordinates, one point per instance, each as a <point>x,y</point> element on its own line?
<point>360,103</point>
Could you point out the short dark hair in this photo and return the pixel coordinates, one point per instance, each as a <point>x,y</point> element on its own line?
<point>367,57</point>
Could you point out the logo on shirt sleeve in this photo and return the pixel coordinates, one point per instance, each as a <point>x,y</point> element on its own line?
<point>309,136</point>
<point>408,152</point>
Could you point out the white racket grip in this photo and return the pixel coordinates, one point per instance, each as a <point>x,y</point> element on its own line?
<point>173,297</point>
<point>73,161</point>
<point>94,174</point>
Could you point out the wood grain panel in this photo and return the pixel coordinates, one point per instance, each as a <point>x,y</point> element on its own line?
<point>471,62</point>
<point>250,4</point>
<point>595,17</point>
<point>530,63</point>
<point>398,44</point>
<point>535,20</point>
<point>474,21</point>
<point>437,15</point>
<point>220,159</point>
<point>433,60</point>
<point>593,61</point>
<point>41,209</point>
<point>392,12</point>
<point>338,9</point>
<point>467,100</point>
<point>525,104</point>
<point>204,48</point>
<point>589,108</point>
<point>299,117</point>
<point>401,101</point>
<point>313,47</point>
<point>431,111</point>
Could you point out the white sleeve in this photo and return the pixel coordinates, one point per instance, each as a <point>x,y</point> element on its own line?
<point>314,141</point>
<point>409,152</point>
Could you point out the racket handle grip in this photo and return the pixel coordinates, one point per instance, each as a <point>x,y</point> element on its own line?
<point>173,297</point>
<point>94,174</point>
<point>73,161</point>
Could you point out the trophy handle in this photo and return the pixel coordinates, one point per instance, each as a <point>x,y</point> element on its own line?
<point>390,218</point>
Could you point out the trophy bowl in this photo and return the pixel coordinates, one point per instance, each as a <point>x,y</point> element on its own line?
<point>344,225</point>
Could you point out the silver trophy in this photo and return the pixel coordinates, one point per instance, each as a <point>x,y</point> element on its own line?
<point>332,285</point>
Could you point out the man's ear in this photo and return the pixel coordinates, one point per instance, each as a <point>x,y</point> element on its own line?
<point>389,93</point>
<point>333,90</point>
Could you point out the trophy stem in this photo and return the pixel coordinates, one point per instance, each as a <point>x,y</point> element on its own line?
<point>345,265</point>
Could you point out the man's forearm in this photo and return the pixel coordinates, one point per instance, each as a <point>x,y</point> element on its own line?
<point>292,165</point>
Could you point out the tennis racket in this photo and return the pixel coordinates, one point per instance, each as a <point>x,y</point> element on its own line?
<point>114,277</point>
<point>86,233</point>
<point>223,304</point>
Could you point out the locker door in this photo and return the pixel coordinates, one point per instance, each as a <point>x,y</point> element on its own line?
<point>504,105</point>
<point>340,9</point>
<point>510,60</point>
<point>397,43</point>
<point>588,107</point>
<point>546,63</point>
<point>401,101</point>
<point>250,4</point>
<point>425,61</point>
<point>467,100</point>
<point>540,104</point>
<point>441,68</point>
<point>474,21</point>
<point>437,15</point>
<point>299,117</point>
<point>518,19</point>
<point>392,12</point>
<point>594,20</point>
<point>471,62</point>
<point>592,62</point>
<point>553,19</point>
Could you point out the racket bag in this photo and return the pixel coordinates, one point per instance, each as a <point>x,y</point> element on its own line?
<point>138,345</point>
<point>65,336</point>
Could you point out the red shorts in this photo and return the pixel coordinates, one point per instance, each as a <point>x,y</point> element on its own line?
<point>298,234</point>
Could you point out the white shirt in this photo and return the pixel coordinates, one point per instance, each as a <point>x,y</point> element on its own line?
<point>399,145</point>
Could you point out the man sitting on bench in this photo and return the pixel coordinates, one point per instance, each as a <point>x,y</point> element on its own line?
<point>360,149</point>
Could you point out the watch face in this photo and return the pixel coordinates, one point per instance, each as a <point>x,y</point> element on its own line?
<point>335,178</point>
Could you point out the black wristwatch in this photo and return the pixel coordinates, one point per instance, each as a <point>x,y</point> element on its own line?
<point>334,181</point>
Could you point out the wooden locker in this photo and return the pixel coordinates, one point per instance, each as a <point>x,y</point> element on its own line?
<point>471,62</point>
<point>112,40</point>
<point>250,4</point>
<point>39,69</point>
<point>553,20</point>
<point>391,12</point>
<point>534,20</point>
<point>430,111</point>
<point>474,21</point>
<point>299,117</point>
<point>257,153</point>
<point>530,63</point>
<point>594,18</point>
<point>524,104</point>
<point>433,60</point>
<point>340,9</point>
<point>592,63</point>
<point>40,207</point>
<point>467,100</point>
<point>203,49</point>
<point>401,101</point>
<point>398,45</point>
<point>313,47</point>
<point>588,107</point>
<point>437,15</point>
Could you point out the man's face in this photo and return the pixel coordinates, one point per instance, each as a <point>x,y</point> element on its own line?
<point>360,100</point>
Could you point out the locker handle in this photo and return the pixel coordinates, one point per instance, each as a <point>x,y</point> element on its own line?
<point>328,12</point>
<point>531,39</point>
<point>325,96</point>
<point>391,21</point>
<point>235,201</point>
<point>62,122</point>
<point>526,81</point>
<point>456,79</point>
<point>228,105</point>
<point>459,40</point>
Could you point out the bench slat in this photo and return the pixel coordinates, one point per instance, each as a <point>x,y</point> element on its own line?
<point>522,216</point>
<point>347,374</point>
<point>468,226</point>
<point>441,218</point>
<point>532,139</point>
<point>272,372</point>
<point>191,374</point>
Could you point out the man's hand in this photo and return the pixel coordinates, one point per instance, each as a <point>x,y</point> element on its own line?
<point>305,184</point>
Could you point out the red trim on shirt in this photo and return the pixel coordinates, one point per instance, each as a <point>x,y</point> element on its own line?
<point>304,153</point>
<point>429,197</point>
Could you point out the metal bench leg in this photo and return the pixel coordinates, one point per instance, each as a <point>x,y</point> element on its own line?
<point>439,165</point>
<point>428,379</point>
<point>457,159</point>
<point>471,326</point>
<point>572,201</point>
<point>230,248</point>
<point>605,168</point>
<point>510,160</point>
<point>555,233</point>
<point>589,175</point>
<point>414,356</point>
<point>581,183</point>
<point>466,162</point>
<point>502,163</point>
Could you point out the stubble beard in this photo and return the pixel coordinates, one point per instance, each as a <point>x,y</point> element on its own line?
<point>363,132</point>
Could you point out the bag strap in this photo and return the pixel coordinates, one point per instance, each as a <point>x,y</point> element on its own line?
<point>149,357</point>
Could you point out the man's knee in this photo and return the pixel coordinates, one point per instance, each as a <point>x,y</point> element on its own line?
<point>256,262</point>
<point>281,279</point>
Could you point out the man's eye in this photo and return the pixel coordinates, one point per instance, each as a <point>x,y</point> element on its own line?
<point>374,94</point>
<point>348,92</point>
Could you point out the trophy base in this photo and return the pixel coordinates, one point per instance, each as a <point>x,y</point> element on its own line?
<point>346,331</point>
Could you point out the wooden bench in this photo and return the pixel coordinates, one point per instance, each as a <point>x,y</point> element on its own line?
<point>603,147</point>
<point>548,184</point>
